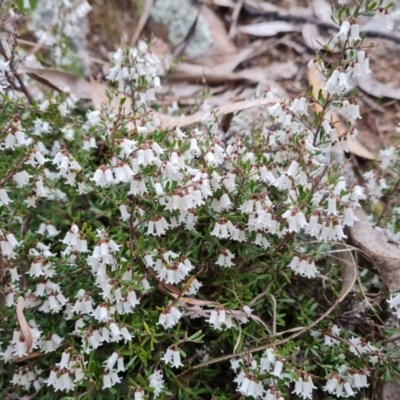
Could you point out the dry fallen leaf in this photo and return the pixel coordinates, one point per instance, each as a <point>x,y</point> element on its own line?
<point>223,49</point>
<point>261,6</point>
<point>166,121</point>
<point>60,80</point>
<point>322,10</point>
<point>223,3</point>
<point>26,331</point>
<point>265,29</point>
<point>378,89</point>
<point>144,16</point>
<point>312,37</point>
<point>384,255</point>
<point>348,261</point>
<point>354,146</point>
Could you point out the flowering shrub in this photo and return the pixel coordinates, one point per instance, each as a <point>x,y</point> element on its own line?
<point>146,263</point>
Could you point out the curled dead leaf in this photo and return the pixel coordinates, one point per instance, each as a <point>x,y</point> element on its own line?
<point>166,121</point>
<point>60,80</point>
<point>348,261</point>
<point>25,329</point>
<point>144,16</point>
<point>264,29</point>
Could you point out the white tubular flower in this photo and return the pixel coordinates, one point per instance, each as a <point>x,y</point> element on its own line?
<point>293,169</point>
<point>124,212</point>
<point>107,380</point>
<point>384,18</point>
<point>331,384</point>
<point>355,32</point>
<point>47,227</point>
<point>123,172</point>
<point>21,178</point>
<point>278,368</point>
<point>14,273</point>
<point>15,139</point>
<point>298,386</point>
<point>139,395</point>
<point>4,199</point>
<point>295,219</point>
<point>308,387</point>
<point>156,381</point>
<point>299,106</point>
<point>225,259</point>
<point>349,391</point>
<point>221,229</point>
<point>360,346</point>
<point>225,202</point>
<point>169,317</point>
<point>314,227</point>
<point>251,387</point>
<point>332,84</point>
<point>360,380</point>
<point>109,364</point>
<point>361,67</point>
<point>332,205</point>
<point>102,313</point>
<point>11,240</point>
<point>173,357</point>
<point>344,30</point>
<point>247,207</point>
<point>349,217</point>
<point>229,182</point>
<point>103,176</point>
<point>261,240</point>
<point>219,319</point>
<point>64,363</point>
<point>93,117</point>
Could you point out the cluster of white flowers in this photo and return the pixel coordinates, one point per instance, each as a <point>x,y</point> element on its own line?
<point>135,65</point>
<point>55,20</point>
<point>170,193</point>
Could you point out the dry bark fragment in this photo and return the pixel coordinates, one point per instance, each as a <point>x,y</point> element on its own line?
<point>384,255</point>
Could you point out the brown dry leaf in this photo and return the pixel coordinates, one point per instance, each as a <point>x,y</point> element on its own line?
<point>223,3</point>
<point>322,10</point>
<point>234,19</point>
<point>378,89</point>
<point>196,302</point>
<point>223,48</point>
<point>384,255</point>
<point>167,121</point>
<point>262,5</point>
<point>222,73</point>
<point>60,80</point>
<point>348,261</point>
<point>98,93</point>
<point>148,4</point>
<point>312,37</point>
<point>29,356</point>
<point>196,73</point>
<point>26,331</point>
<point>179,90</point>
<point>354,146</point>
<point>264,29</point>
